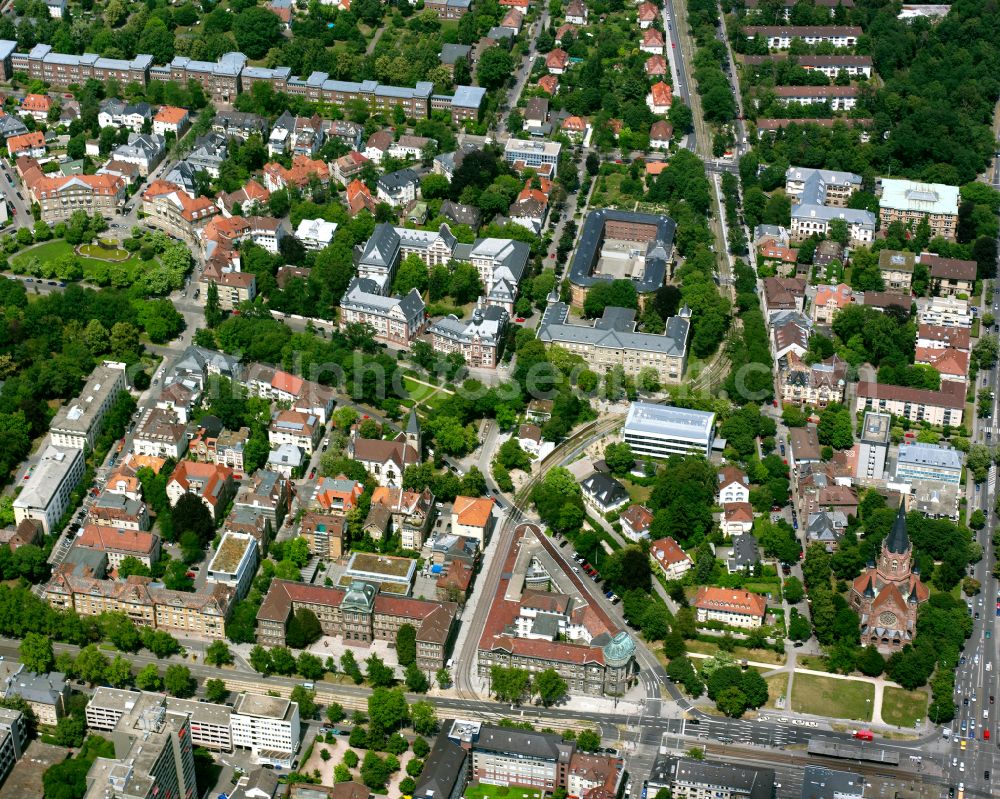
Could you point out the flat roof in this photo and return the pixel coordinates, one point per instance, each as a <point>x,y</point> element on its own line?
<point>669,421</point>
<point>876,427</point>
<point>370,563</point>
<point>928,198</point>
<point>232,549</point>
<point>77,415</point>
<point>273,707</point>
<point>930,455</point>
<point>50,472</point>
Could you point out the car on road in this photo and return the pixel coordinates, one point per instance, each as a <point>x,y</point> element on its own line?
<point>520,320</point>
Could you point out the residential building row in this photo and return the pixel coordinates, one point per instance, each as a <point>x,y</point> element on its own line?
<point>231,75</point>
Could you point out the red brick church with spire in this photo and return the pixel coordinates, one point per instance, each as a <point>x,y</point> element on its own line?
<point>888,594</point>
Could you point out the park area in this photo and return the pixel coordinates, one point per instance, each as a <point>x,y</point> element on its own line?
<point>828,696</point>
<point>99,265</point>
<point>903,708</point>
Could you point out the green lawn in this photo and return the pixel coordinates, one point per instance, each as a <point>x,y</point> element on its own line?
<point>95,270</point>
<point>903,708</point>
<point>417,391</point>
<point>483,791</point>
<point>104,254</point>
<point>776,688</point>
<point>825,696</point>
<point>636,492</point>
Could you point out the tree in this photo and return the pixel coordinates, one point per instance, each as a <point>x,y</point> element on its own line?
<point>412,273</point>
<point>176,576</point>
<point>406,644</point>
<point>132,565</point>
<point>509,684</point>
<point>121,631</point>
<point>91,664</point>
<point>386,710</point>
<point>36,653</point>
<point>218,654</point>
<point>304,628</point>
<point>588,740</point>
<point>148,678</point>
<point>213,309</point>
<point>732,701</point>
<point>334,712</point>
<point>628,568</point>
<point>256,29</point>
<point>260,660</point>
<point>179,682</point>
<point>423,718</point>
<point>496,65</point>
<point>375,772</point>
<point>282,660</point>
<point>119,672</point>
<point>416,680</point>
<point>793,590</point>
<point>871,662</point>
<point>191,515</point>
<point>70,731</point>
<point>306,700</point>
<point>549,686</point>
<point>378,673</point>
<point>619,458</point>
<point>216,691</point>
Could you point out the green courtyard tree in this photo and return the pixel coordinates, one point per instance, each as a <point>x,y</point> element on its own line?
<point>549,686</point>
<point>406,644</point>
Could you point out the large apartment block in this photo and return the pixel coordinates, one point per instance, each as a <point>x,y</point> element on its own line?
<point>78,423</point>
<point>820,196</point>
<point>942,407</point>
<point>154,754</point>
<point>59,197</point>
<point>360,614</point>
<point>781,38</point>
<point>394,320</point>
<point>231,75</point>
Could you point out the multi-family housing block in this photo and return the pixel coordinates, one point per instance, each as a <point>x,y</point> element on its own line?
<point>781,37</point>
<point>394,320</point>
<point>78,423</point>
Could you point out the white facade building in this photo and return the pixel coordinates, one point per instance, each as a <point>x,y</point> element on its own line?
<point>268,726</point>
<point>46,494</point>
<point>660,431</point>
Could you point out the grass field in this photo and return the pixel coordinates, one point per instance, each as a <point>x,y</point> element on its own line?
<point>483,791</point>
<point>417,391</point>
<point>776,687</point>
<point>903,708</point>
<point>741,652</point>
<point>102,254</point>
<point>94,269</point>
<point>814,662</point>
<point>637,493</point>
<point>825,696</point>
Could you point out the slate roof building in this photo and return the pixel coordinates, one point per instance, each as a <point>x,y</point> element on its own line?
<point>613,341</point>
<point>394,320</point>
<point>622,244</point>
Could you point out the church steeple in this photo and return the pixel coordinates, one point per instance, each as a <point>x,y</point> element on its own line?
<point>413,431</point>
<point>898,542</point>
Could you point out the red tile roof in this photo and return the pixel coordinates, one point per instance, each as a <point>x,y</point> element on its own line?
<point>662,94</point>
<point>26,141</point>
<point>729,600</point>
<point>667,552</point>
<point>96,536</point>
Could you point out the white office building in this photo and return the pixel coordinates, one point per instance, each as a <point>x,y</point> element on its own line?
<point>78,423</point>
<point>928,462</point>
<point>659,431</point>
<point>532,154</point>
<point>268,726</point>
<point>46,495</point>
